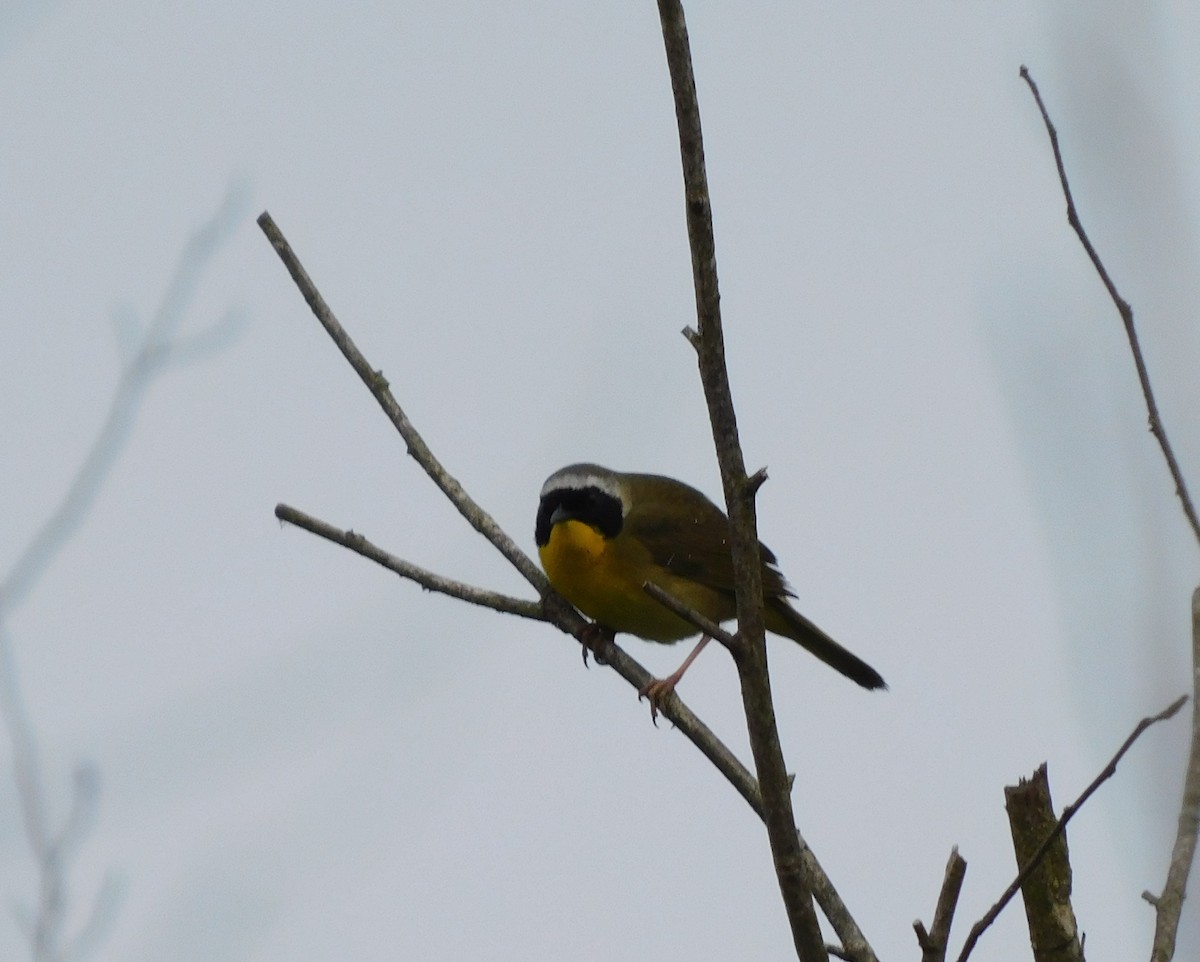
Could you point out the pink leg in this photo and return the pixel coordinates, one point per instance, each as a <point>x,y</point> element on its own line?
<point>660,688</point>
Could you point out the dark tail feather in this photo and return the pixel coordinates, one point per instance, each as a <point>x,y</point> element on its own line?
<point>785,620</point>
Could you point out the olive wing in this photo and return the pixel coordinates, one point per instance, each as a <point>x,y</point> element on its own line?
<point>688,535</point>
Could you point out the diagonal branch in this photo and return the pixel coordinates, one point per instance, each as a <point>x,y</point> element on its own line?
<point>1060,826</point>
<point>1126,312</point>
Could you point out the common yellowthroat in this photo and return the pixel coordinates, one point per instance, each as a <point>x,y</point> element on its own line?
<point>603,534</point>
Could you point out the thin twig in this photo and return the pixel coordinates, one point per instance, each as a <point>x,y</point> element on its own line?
<point>691,615</point>
<point>1169,904</point>
<point>1068,813</point>
<point>751,661</point>
<point>406,569</point>
<point>934,942</point>
<point>755,481</point>
<point>1126,312</point>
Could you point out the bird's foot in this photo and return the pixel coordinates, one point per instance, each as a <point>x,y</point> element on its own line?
<point>657,691</point>
<point>599,641</point>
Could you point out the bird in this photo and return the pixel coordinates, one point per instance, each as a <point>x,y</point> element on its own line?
<point>603,534</point>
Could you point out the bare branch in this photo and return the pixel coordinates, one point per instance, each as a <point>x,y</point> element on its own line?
<point>934,943</point>
<point>425,578</point>
<point>691,615</point>
<point>1126,312</point>
<point>854,943</point>
<point>751,661</point>
<point>1169,904</point>
<point>1068,813</point>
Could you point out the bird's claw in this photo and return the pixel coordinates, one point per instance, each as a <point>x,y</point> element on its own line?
<point>656,691</point>
<point>598,640</point>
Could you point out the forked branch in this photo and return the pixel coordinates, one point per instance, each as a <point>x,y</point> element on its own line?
<point>406,569</point>
<point>935,940</point>
<point>1060,826</point>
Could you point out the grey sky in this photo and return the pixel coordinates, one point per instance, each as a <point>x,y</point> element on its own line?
<point>303,758</point>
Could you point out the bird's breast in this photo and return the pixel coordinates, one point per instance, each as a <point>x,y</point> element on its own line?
<point>603,578</point>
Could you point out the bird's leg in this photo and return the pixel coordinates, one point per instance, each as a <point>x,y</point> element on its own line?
<point>660,688</point>
<point>598,640</point>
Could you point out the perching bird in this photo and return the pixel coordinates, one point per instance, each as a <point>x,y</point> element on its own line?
<point>603,534</point>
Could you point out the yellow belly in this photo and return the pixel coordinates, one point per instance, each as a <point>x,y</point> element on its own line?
<point>603,578</point>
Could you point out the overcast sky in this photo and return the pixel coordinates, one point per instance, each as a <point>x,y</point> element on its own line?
<point>303,758</point>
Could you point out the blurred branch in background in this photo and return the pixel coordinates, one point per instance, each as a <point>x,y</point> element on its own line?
<point>148,352</point>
